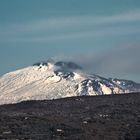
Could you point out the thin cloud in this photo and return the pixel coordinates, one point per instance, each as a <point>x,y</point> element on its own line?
<point>120,62</point>
<point>76,21</point>
<point>72,22</point>
<point>93,34</point>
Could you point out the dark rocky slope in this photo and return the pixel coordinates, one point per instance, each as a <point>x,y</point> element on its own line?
<point>112,117</point>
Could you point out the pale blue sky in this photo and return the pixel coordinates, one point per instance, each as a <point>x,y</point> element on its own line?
<point>103,35</point>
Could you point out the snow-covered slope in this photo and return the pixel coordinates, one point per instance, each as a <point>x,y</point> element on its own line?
<point>52,80</point>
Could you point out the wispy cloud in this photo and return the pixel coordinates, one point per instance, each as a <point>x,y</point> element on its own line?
<point>70,21</point>
<point>118,62</point>
<point>107,32</point>
<point>72,27</point>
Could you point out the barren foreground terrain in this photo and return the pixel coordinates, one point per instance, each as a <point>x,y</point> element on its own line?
<point>109,117</point>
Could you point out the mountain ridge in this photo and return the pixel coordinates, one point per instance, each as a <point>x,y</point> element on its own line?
<point>53,80</point>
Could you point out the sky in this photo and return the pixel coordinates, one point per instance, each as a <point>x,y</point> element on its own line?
<point>101,35</point>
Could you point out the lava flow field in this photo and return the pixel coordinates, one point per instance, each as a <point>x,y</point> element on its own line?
<point>107,117</point>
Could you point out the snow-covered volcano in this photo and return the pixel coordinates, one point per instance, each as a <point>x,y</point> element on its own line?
<point>52,80</point>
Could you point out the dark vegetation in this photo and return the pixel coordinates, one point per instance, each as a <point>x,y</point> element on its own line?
<point>113,117</point>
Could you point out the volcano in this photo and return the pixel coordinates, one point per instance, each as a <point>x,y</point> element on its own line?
<point>49,80</point>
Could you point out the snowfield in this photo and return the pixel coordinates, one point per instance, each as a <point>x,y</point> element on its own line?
<point>53,80</point>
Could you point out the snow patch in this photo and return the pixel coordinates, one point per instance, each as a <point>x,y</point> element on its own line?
<point>52,80</point>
